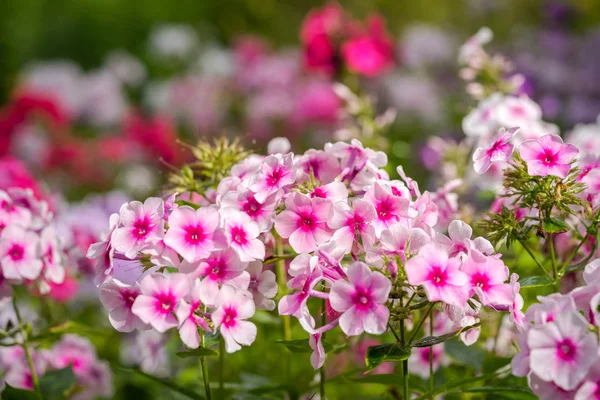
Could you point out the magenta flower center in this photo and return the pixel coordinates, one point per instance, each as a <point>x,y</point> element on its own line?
<point>566,350</point>
<point>16,252</point>
<point>319,192</point>
<point>229,317</point>
<point>216,268</point>
<point>384,210</point>
<point>194,234</point>
<point>275,176</point>
<point>251,207</point>
<point>141,228</point>
<point>362,298</point>
<point>238,235</point>
<point>437,276</point>
<point>548,158</point>
<point>480,280</point>
<point>306,221</point>
<point>128,297</point>
<point>165,303</point>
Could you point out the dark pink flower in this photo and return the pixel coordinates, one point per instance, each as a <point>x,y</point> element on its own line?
<point>548,156</point>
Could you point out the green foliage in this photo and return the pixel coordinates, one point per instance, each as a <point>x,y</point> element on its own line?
<point>375,355</point>
<point>11,393</point>
<point>55,385</point>
<point>535,281</point>
<point>199,352</point>
<point>428,341</point>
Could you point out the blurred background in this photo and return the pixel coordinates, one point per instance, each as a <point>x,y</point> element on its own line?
<point>100,101</point>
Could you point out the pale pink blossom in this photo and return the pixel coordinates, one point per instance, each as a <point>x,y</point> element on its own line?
<point>295,303</point>
<point>261,213</point>
<point>397,239</point>
<point>362,300</point>
<point>191,232</point>
<point>548,156</point>
<point>263,286</point>
<point>157,302</point>
<point>350,221</point>
<point>304,222</point>
<point>276,173</point>
<point>118,299</point>
<point>517,111</point>
<point>241,234</point>
<point>189,314</point>
<point>440,276</point>
<point>323,166</point>
<point>142,225</point>
<point>499,149</point>
<point>20,256</point>
<point>235,306</point>
<point>53,269</point>
<point>562,351</point>
<point>103,252</point>
<point>486,280</point>
<point>334,192</point>
<point>459,242</point>
<point>389,208</point>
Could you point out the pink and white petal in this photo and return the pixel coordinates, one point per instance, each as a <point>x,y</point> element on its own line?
<point>375,322</point>
<point>352,322</point>
<point>302,241</point>
<point>188,332</point>
<point>231,346</point>
<point>286,223</point>
<point>459,230</point>
<point>359,274</point>
<point>340,296</point>
<point>243,332</point>
<point>380,287</point>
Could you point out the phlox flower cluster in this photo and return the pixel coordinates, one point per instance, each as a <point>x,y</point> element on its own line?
<point>559,345</point>
<point>354,237</point>
<point>93,377</point>
<point>31,252</point>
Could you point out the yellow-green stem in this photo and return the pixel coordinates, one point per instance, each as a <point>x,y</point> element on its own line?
<point>25,343</point>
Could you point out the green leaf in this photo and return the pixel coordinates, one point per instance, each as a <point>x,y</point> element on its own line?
<point>199,352</point>
<point>187,203</point>
<point>274,259</point>
<point>553,225</point>
<point>302,346</point>
<point>428,341</point>
<point>492,363</point>
<point>55,332</point>
<point>55,384</point>
<point>210,339</point>
<point>535,281</point>
<point>385,352</point>
<point>164,382</point>
<point>471,356</point>
<point>456,383</point>
<point>500,389</point>
<point>11,393</point>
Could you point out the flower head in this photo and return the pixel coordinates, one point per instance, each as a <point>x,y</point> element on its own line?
<point>191,231</point>
<point>235,306</point>
<point>548,156</point>
<point>499,150</point>
<point>142,225</point>
<point>20,253</point>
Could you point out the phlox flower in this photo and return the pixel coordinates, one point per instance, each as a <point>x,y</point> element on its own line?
<point>235,306</point>
<point>562,351</point>
<point>334,192</point>
<point>295,303</point>
<point>157,302</point>
<point>548,156</point>
<point>188,316</point>
<point>548,390</point>
<point>324,166</point>
<point>219,268</point>
<point>440,276</point>
<point>370,53</point>
<point>51,256</point>
<point>261,213</point>
<point>498,150</point>
<point>350,221</point>
<point>398,238</point>
<point>11,213</point>
<point>103,252</point>
<point>304,222</point>
<point>142,225</point>
<point>418,361</point>
<point>263,286</point>
<point>241,234</point>
<point>362,300</point>
<point>486,279</point>
<point>517,111</point>
<point>118,299</point>
<point>459,242</point>
<point>20,253</point>
<point>516,315</point>
<point>276,173</point>
<point>191,232</point>
<point>389,208</point>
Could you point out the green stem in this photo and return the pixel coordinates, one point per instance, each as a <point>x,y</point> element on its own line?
<point>322,369</point>
<point>405,374</point>
<point>205,371</point>
<point>418,328</point>
<point>221,367</point>
<point>574,253</point>
<point>431,353</point>
<point>528,250</point>
<point>281,291</point>
<point>34,377</point>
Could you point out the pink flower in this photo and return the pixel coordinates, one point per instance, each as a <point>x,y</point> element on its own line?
<point>51,256</point>
<point>397,239</point>
<point>361,300</point>
<point>389,208</point>
<point>418,362</point>
<point>499,150</point>
<point>334,192</point>
<point>517,316</point>
<point>261,213</point>
<point>304,222</point>
<point>441,277</point>
<point>19,254</point>
<point>548,156</point>
<point>189,314</point>
<point>142,225</point>
<point>241,235</point>
<point>219,268</point>
<point>118,299</point>
<point>459,243</point>
<point>263,286</point>
<point>562,351</point>
<point>349,221</point>
<point>276,173</point>
<point>295,303</point>
<point>158,300</point>
<point>191,231</point>
<point>325,167</point>
<point>370,53</point>
<point>235,307</point>
<point>103,252</point>
<point>517,111</point>
<point>486,279</point>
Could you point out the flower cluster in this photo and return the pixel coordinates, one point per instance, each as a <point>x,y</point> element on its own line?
<point>332,40</point>
<point>559,346</point>
<point>93,377</point>
<point>360,243</point>
<point>30,250</point>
